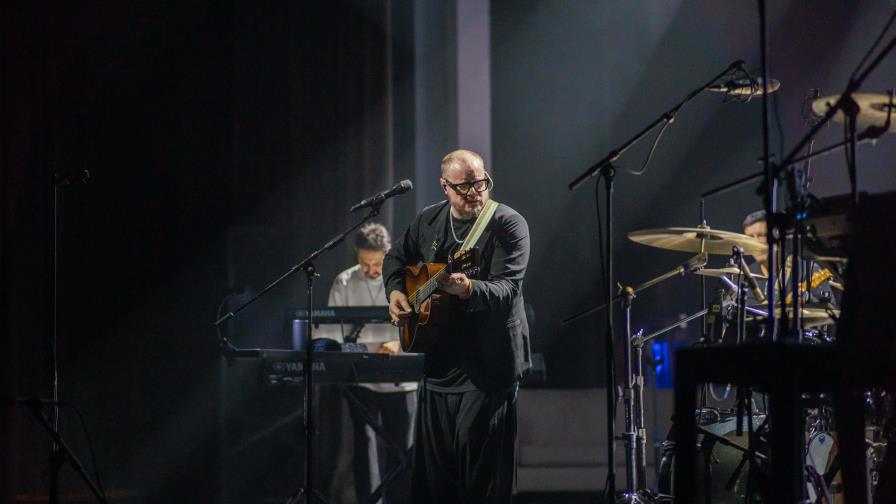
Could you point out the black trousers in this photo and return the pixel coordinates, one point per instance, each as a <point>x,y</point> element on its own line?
<point>373,457</point>
<point>464,448</point>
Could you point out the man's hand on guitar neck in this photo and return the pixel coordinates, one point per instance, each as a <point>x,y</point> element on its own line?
<point>399,309</point>
<point>457,284</point>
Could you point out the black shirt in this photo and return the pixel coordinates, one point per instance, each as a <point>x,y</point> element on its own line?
<point>486,347</point>
<point>442,366</point>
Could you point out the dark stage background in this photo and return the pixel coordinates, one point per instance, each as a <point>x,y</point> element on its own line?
<point>226,140</point>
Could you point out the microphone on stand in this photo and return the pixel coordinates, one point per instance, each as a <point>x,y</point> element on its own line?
<point>744,86</point>
<point>399,188</point>
<point>751,280</point>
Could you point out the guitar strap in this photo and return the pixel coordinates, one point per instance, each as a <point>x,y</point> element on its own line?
<point>485,216</point>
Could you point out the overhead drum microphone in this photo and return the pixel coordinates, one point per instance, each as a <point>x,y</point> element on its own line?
<point>399,188</point>
<point>745,86</point>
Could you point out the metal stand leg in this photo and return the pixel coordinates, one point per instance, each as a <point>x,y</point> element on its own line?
<point>635,434</point>
<point>403,455</point>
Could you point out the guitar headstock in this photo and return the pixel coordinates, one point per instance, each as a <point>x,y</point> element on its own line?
<point>466,262</point>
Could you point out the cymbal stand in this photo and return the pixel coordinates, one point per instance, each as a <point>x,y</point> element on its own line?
<point>635,434</point>
<point>633,401</point>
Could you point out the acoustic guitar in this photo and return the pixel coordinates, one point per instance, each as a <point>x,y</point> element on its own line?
<point>431,307</point>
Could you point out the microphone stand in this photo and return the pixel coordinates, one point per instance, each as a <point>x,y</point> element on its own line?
<point>62,452</point>
<point>605,169</point>
<point>306,493</point>
<point>58,453</point>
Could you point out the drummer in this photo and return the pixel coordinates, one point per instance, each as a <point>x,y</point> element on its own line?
<point>755,226</point>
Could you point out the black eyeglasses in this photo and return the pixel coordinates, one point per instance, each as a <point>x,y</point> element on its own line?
<point>479,186</point>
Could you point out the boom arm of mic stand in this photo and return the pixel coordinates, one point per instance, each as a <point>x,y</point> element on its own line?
<point>666,117</point>
<point>871,134</point>
<point>793,157</point>
<point>374,211</point>
<point>692,264</point>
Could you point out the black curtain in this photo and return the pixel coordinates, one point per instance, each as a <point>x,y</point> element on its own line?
<point>224,142</point>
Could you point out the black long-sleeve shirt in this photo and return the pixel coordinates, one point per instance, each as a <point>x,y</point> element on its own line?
<point>487,345</point>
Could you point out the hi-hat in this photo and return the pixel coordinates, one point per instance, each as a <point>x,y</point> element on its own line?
<point>696,240</point>
<point>873,109</point>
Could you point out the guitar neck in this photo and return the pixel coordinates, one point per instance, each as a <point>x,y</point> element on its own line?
<point>425,291</point>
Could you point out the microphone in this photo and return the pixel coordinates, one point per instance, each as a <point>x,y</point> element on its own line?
<point>377,199</point>
<point>744,87</point>
<point>751,280</point>
<point>695,263</point>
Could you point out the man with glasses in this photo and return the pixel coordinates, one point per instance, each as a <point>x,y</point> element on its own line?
<point>466,423</point>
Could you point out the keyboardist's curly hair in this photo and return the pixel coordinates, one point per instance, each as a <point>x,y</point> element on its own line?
<point>373,236</point>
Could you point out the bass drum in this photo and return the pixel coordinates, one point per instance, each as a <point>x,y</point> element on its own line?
<point>724,473</point>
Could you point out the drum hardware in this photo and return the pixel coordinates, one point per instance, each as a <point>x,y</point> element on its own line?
<point>604,168</point>
<point>692,265</point>
<point>635,435</point>
<point>722,273</point>
<point>731,467</point>
<point>633,393</point>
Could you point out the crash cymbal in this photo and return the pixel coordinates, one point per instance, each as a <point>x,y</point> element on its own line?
<point>873,109</point>
<point>728,270</point>
<point>813,316</point>
<point>695,240</point>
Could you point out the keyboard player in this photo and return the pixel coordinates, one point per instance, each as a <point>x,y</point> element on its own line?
<point>393,406</point>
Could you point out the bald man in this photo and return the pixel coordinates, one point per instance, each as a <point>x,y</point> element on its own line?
<point>466,424</point>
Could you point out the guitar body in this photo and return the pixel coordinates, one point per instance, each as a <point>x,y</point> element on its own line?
<point>421,331</point>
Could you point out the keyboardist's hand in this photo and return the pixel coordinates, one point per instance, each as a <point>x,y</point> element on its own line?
<point>389,347</point>
<point>399,309</point>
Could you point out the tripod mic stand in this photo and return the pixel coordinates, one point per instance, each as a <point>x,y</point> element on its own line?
<point>306,493</point>
<point>605,169</point>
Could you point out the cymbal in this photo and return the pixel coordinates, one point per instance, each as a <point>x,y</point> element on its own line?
<point>813,316</point>
<point>711,241</point>
<point>727,270</point>
<point>873,109</point>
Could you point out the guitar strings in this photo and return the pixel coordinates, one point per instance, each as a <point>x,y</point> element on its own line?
<point>482,219</point>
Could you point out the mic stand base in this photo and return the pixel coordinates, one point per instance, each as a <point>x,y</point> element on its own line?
<point>637,497</point>
<point>307,493</point>
<point>299,497</point>
<point>62,454</point>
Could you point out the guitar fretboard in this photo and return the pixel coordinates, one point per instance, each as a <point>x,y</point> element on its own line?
<point>424,291</point>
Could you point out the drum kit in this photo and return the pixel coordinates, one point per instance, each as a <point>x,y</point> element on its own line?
<point>805,312</point>
<point>726,474</point>
<point>734,464</point>
<point>797,307</point>
<point>733,467</point>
